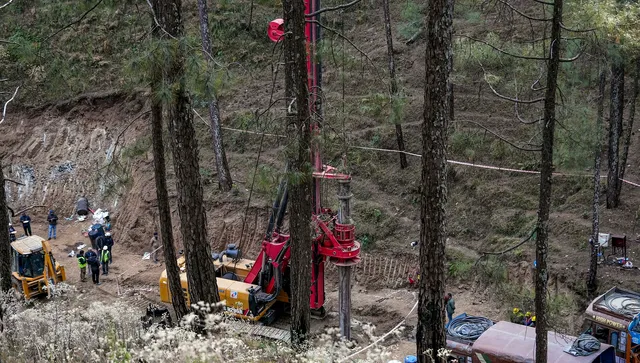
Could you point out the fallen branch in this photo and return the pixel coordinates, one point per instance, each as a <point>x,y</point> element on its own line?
<point>12,181</point>
<point>485,254</point>
<point>4,110</point>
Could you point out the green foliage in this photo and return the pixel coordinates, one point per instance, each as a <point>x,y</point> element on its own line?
<point>266,181</point>
<point>493,270</point>
<point>140,147</point>
<point>512,224</point>
<point>372,215</point>
<point>375,105</point>
<point>398,106</point>
<point>412,19</point>
<point>367,242</point>
<point>575,136</point>
<point>460,269</point>
<point>614,20</point>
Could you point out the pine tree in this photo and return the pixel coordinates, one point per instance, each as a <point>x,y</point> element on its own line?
<point>224,176</point>
<point>184,146</point>
<point>439,27</point>
<point>300,183</point>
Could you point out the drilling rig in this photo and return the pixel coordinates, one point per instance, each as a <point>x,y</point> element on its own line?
<point>255,290</point>
<point>338,241</point>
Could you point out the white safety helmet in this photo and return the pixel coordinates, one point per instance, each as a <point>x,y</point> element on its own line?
<point>104,248</point>
<point>108,234</point>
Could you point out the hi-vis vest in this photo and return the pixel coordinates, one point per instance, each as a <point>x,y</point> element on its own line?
<point>104,256</point>
<point>82,262</point>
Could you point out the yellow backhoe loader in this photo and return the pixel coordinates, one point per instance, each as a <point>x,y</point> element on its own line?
<point>34,270</point>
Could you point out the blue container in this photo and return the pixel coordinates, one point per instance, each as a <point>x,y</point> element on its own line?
<point>410,359</point>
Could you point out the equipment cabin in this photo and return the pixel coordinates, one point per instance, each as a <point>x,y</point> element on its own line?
<point>33,268</point>
<point>506,342</point>
<point>608,318</point>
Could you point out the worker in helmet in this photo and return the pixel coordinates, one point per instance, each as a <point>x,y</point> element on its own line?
<point>517,316</point>
<point>527,319</point>
<point>108,241</point>
<point>533,321</point>
<point>94,263</point>
<point>104,260</point>
<point>82,264</point>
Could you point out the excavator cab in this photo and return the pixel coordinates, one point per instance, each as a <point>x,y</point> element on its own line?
<point>33,267</point>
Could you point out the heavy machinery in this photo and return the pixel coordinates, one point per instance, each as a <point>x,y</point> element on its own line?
<point>34,270</point>
<point>479,340</point>
<point>613,319</point>
<point>254,289</point>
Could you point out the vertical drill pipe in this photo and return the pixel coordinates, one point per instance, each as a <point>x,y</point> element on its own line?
<point>344,292</point>
<point>344,295</point>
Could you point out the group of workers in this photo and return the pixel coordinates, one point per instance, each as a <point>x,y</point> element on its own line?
<point>25,220</point>
<point>26,225</point>
<point>104,244</point>
<point>527,318</point>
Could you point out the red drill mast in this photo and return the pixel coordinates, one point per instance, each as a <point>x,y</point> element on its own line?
<point>334,232</point>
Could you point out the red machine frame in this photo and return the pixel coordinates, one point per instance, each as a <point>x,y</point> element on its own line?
<point>333,240</point>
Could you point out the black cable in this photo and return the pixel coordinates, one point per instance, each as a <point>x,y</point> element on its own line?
<point>468,327</point>
<point>629,303</point>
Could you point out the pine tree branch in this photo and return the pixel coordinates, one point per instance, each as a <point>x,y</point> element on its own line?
<point>155,20</point>
<point>536,100</point>
<point>4,110</point>
<point>334,8</point>
<point>5,5</point>
<point>349,41</point>
<point>504,51</point>
<point>577,30</point>
<point>73,22</point>
<point>521,13</point>
<point>485,254</point>
<point>499,136</point>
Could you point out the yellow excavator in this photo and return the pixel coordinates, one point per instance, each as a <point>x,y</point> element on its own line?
<point>34,271</point>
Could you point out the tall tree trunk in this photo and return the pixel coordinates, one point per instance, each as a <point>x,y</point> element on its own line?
<point>616,108</point>
<point>431,333</point>
<point>166,230</point>
<point>546,170</point>
<point>629,129</point>
<point>224,176</point>
<point>394,84</point>
<point>592,282</point>
<point>5,244</point>
<point>298,121</point>
<point>184,145</point>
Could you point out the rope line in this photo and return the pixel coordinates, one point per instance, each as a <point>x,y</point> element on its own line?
<point>455,162</point>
